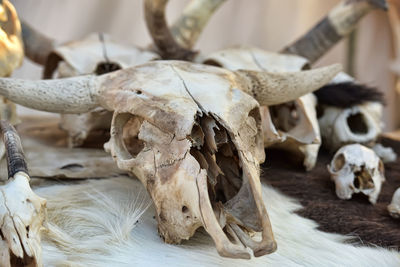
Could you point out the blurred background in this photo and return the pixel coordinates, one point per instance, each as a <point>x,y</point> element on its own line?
<point>267,24</point>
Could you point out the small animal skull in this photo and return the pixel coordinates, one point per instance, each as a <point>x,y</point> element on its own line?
<point>357,124</point>
<point>357,169</point>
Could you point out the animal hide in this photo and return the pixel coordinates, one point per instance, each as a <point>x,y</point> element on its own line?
<point>110,222</point>
<point>316,192</point>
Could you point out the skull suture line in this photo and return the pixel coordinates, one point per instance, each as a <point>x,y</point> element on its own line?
<point>190,134</point>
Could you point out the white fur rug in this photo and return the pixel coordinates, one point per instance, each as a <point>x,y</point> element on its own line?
<point>110,222</point>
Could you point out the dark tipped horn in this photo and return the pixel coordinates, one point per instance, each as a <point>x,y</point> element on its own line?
<point>37,46</point>
<point>161,34</point>
<point>14,152</point>
<point>339,23</point>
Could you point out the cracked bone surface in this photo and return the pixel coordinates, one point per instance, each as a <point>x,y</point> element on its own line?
<point>191,134</point>
<point>394,206</point>
<point>291,126</point>
<point>357,169</point>
<point>87,56</point>
<point>22,212</point>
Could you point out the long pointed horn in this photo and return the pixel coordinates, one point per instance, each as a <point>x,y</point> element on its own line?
<point>71,95</point>
<point>159,31</point>
<point>271,88</point>
<point>14,152</point>
<point>187,29</point>
<point>340,22</point>
<point>37,46</point>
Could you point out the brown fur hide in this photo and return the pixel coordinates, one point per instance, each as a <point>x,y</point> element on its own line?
<point>316,192</point>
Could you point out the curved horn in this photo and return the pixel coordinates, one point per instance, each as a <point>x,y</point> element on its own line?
<point>160,33</point>
<point>187,29</point>
<point>271,88</point>
<point>71,95</point>
<point>37,46</point>
<point>14,152</point>
<point>340,22</point>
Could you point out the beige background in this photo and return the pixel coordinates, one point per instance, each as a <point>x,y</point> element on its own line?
<point>268,24</point>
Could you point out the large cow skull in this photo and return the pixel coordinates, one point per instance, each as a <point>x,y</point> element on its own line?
<point>190,134</point>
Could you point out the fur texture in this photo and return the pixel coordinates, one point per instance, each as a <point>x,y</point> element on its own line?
<point>316,192</point>
<point>348,94</point>
<point>111,223</point>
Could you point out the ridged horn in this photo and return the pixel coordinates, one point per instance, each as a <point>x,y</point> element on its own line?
<point>272,88</point>
<point>37,46</point>
<point>70,95</point>
<point>339,23</point>
<point>187,29</point>
<point>160,32</point>
<point>14,152</point>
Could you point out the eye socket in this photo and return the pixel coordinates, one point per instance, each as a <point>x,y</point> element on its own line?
<point>185,209</point>
<point>339,162</point>
<point>106,67</point>
<point>285,116</point>
<point>212,63</point>
<point>126,131</point>
<point>356,123</point>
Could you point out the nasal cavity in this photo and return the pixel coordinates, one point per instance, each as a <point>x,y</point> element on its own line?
<point>357,123</point>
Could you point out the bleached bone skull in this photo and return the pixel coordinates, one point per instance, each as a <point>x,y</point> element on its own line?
<point>357,169</point>
<point>394,206</point>
<point>290,126</point>
<point>358,124</point>
<point>22,212</point>
<point>87,56</point>
<point>191,133</point>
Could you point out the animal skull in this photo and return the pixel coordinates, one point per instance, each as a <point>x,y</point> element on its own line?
<point>357,169</point>
<point>357,124</point>
<point>97,56</point>
<point>22,212</point>
<point>290,126</point>
<point>190,134</point>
